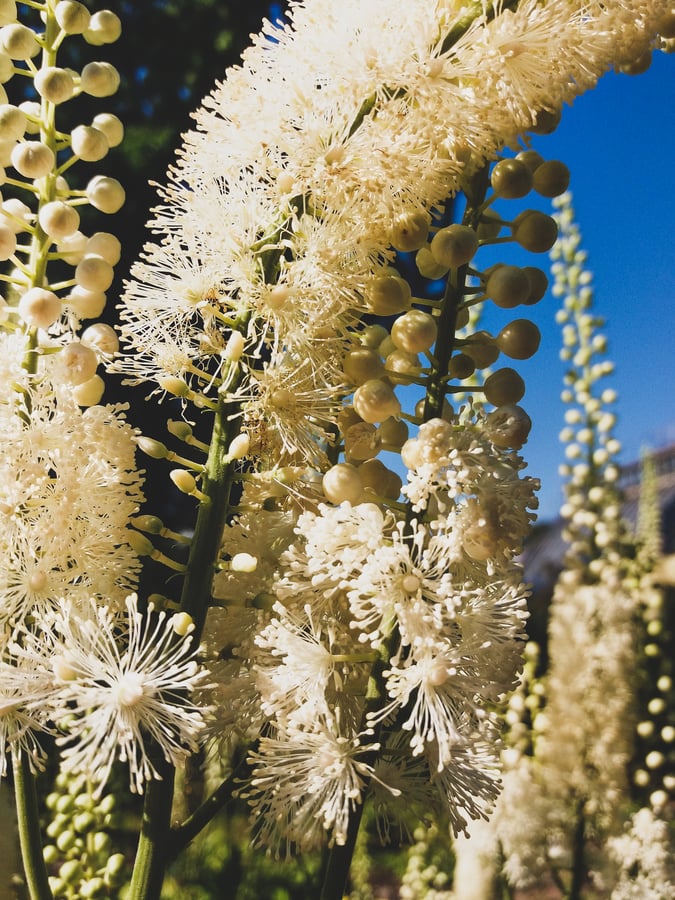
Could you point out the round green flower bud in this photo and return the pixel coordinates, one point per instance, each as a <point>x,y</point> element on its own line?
<point>481,348</point>
<point>551,179</point>
<point>100,79</point>
<point>92,887</point>
<point>546,121</point>
<point>376,401</point>
<point>519,339</point>
<point>104,28</point>
<point>342,483</point>
<point>388,295</point>
<point>12,122</point>
<point>414,331</point>
<point>361,365</point>
<point>508,286</point>
<point>105,194</point>
<point>454,246</point>
<point>32,159</point>
<point>50,854</point>
<point>83,822</point>
<point>393,433</point>
<point>511,179</point>
<point>538,284</point>
<point>114,869</point>
<point>427,265</point>
<point>489,226</point>
<point>535,231</point>
<point>54,84</point>
<point>380,480</point>
<point>70,870</point>
<point>531,158</point>
<point>461,366</point>
<point>410,231</point>
<point>65,840</point>
<point>73,17</point>
<point>504,386</point>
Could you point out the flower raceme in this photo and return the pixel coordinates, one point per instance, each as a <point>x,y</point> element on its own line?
<point>382,631</point>
<point>347,129</point>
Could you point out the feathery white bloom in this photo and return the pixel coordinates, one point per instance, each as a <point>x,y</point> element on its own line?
<point>120,682</point>
<point>68,485</point>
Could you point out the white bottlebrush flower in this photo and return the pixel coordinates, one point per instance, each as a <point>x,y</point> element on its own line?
<point>121,683</point>
<point>68,486</point>
<point>306,783</point>
<point>645,859</point>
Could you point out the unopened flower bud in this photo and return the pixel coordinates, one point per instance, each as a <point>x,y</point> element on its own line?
<point>427,265</point>
<point>172,385</point>
<point>111,126</point>
<point>239,447</point>
<point>18,41</point>
<point>33,159</point>
<point>508,286</point>
<point>511,179</point>
<point>103,337</point>
<point>77,362</point>
<point>182,623</point>
<point>94,273</point>
<point>58,219</point>
<point>388,295</point>
<point>86,304</point>
<point>454,246</point>
<point>504,386</point>
<point>342,483</point>
<point>73,17</point>
<point>508,426</point>
<point>7,241</point>
<point>100,79</point>
<point>151,447</point>
<point>105,194</point>
<point>89,393</point>
<point>39,308</point>
<point>184,480</point>
<point>362,364</point>
<point>12,122</point>
<point>104,244</point>
<point>104,28</point>
<point>519,339</point>
<point>409,231</point>
<point>376,401</point>
<point>534,230</point>
<point>88,143</point>
<point>54,84</point>
<point>414,331</point>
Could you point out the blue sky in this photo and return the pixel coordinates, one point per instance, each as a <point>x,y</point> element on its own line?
<point>619,143</point>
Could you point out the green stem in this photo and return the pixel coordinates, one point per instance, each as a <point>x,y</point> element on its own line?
<point>30,838</point>
<point>152,857</point>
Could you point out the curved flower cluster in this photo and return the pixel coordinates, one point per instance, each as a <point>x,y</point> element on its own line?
<point>342,128</point>
<point>443,622</point>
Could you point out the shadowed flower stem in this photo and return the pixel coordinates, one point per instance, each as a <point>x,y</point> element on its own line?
<point>29,830</point>
<point>152,857</point>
